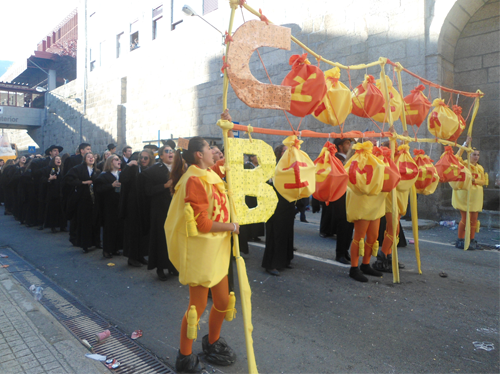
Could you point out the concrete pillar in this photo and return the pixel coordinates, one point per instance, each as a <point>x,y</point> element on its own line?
<point>52,80</point>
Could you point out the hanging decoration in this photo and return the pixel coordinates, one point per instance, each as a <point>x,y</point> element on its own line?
<point>331,177</point>
<point>308,85</point>
<point>337,104</point>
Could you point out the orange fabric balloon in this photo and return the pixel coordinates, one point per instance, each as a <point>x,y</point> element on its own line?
<point>367,99</point>
<point>331,177</point>
<point>416,106</point>
<point>448,167</point>
<point>428,177</point>
<point>461,123</point>
<point>308,85</point>
<point>391,172</point>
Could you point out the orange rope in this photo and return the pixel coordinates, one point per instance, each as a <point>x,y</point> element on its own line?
<point>425,81</point>
<point>313,134</point>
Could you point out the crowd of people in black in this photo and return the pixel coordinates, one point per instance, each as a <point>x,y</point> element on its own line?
<point>126,198</point>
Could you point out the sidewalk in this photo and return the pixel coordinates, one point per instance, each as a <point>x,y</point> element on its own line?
<point>32,340</point>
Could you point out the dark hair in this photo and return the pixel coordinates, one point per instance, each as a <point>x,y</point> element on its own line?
<point>125,148</point>
<point>162,149</point>
<point>170,143</point>
<point>52,164</point>
<point>278,151</point>
<point>83,146</point>
<point>183,157</point>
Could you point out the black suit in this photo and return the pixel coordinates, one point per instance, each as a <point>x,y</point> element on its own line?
<point>81,205</point>
<point>343,228</point>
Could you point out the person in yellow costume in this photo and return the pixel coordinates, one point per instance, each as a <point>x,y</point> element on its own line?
<point>198,232</point>
<point>365,212</point>
<point>459,199</point>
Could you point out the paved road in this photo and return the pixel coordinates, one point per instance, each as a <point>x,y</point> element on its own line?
<point>311,319</point>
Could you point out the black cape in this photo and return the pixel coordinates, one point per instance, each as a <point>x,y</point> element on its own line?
<point>155,178</point>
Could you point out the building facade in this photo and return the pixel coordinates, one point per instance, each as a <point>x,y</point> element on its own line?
<point>147,70</point>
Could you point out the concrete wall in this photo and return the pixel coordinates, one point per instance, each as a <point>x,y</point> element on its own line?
<point>173,83</point>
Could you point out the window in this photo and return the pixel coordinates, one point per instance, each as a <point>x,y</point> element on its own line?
<point>157,21</point>
<point>210,6</point>
<point>119,41</point>
<point>134,35</point>
<point>92,59</point>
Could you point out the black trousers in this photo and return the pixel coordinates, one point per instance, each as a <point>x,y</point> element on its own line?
<point>343,228</point>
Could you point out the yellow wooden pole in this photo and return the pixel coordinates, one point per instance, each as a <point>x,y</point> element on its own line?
<point>245,291</point>
<point>414,224</point>
<point>413,192</point>
<point>395,208</point>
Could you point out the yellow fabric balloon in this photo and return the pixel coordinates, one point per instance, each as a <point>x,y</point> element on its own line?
<point>366,171</point>
<point>408,168</point>
<point>442,122</point>
<point>201,260</point>
<point>252,182</point>
<point>396,102</point>
<point>337,103</point>
<point>459,197</point>
<point>466,177</point>
<point>295,176</point>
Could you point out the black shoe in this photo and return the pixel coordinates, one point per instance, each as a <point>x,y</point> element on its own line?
<point>289,266</point>
<point>143,261</point>
<point>274,272</point>
<point>161,275</point>
<point>40,228</point>
<point>322,235</point>
<point>63,229</point>
<point>473,245</point>
<point>382,264</point>
<point>460,243</point>
<point>347,257</point>
<point>342,260</point>
<point>53,230</point>
<point>218,353</point>
<point>400,264</point>
<point>256,239</point>
<point>85,250</point>
<point>188,364</point>
<point>117,253</point>
<point>368,270</point>
<point>134,263</point>
<point>106,255</point>
<point>173,272</point>
<point>356,274</point>
<point>305,221</point>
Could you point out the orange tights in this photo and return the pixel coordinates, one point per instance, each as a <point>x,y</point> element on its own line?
<point>364,228</point>
<point>388,239</point>
<point>198,296</point>
<point>473,224</point>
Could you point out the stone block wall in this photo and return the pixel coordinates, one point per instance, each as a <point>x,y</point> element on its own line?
<point>173,84</point>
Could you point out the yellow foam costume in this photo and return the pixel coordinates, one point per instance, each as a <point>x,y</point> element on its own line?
<point>202,259</point>
<point>459,197</point>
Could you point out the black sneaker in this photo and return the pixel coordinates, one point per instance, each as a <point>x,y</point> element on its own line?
<point>460,243</point>
<point>356,274</point>
<point>368,270</point>
<point>382,264</point>
<point>218,353</point>
<point>400,264</point>
<point>189,364</point>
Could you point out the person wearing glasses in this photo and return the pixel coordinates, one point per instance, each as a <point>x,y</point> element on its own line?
<point>134,207</point>
<point>157,184</point>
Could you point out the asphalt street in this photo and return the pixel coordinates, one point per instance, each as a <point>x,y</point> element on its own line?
<point>311,319</point>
